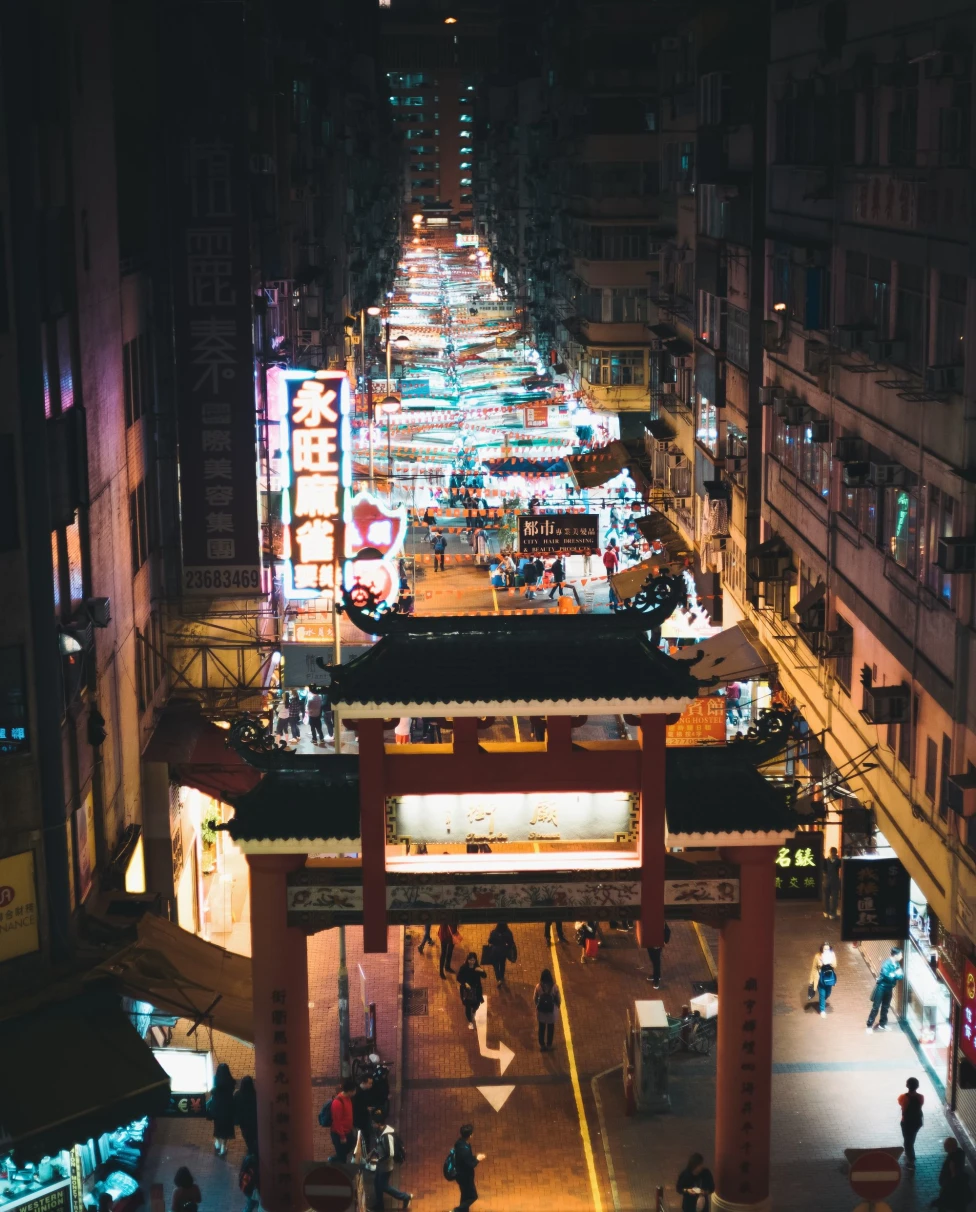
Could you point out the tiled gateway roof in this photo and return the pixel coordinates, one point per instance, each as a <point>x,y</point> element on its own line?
<point>509,665</point>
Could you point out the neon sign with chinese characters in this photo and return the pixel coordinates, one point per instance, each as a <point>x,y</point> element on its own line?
<point>374,536</point>
<point>316,475</point>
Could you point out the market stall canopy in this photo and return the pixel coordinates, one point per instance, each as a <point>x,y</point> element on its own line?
<point>197,754</point>
<point>598,466</point>
<point>656,528</point>
<point>73,1068</point>
<point>730,656</point>
<point>175,971</point>
<point>519,466</point>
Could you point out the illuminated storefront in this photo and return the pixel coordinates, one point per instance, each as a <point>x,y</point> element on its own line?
<point>928,1000</point>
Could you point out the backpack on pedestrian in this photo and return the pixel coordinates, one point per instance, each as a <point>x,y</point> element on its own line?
<point>911,1113</point>
<point>399,1153</point>
<point>325,1115</point>
<point>546,1003</point>
<point>828,976</point>
<point>450,1167</point>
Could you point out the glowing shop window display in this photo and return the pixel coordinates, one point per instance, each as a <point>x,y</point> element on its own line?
<point>375,534</point>
<point>316,474</point>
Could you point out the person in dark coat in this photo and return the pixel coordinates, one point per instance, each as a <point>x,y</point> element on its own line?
<point>186,1193</point>
<point>502,944</point>
<point>955,1191</point>
<point>246,1113</point>
<point>469,978</point>
<point>694,1181</point>
<point>558,575</point>
<point>465,1160</point>
<point>363,1105</point>
<point>220,1108</point>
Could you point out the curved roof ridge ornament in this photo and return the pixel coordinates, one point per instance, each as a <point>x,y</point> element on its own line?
<point>656,601</point>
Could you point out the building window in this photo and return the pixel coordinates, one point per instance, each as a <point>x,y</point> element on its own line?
<point>137,378</point>
<point>712,98</point>
<point>950,321</point>
<point>794,447</point>
<point>906,739</point>
<point>944,776</point>
<point>617,367</point>
<point>911,322</point>
<point>737,336</point>
<point>621,244</point>
<point>711,319</point>
<point>901,526</point>
<point>139,526</point>
<point>860,507</point>
<point>931,767</point>
<point>939,524</point>
<point>844,664</point>
<point>706,427</point>
<point>903,128</point>
<point>713,212</point>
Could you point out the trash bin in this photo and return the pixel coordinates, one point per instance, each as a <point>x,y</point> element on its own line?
<point>651,1056</point>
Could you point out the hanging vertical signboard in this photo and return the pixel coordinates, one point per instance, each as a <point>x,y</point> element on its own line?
<point>209,171</point>
<point>875,899</point>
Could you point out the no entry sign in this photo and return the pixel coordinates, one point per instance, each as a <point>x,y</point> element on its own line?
<point>875,1175</point>
<point>328,1189</point>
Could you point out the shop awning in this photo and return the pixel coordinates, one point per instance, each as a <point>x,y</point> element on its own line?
<point>197,754</point>
<point>73,1069</point>
<point>175,971</point>
<point>730,656</point>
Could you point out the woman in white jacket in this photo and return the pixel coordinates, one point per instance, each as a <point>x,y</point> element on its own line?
<point>823,974</point>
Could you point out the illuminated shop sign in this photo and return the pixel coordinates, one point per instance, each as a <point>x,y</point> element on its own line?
<point>317,473</point>
<point>798,867</point>
<point>374,539</point>
<point>577,816</point>
<point>701,723</point>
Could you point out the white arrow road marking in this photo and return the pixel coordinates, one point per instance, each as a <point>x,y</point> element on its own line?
<point>497,1096</point>
<point>503,1053</point>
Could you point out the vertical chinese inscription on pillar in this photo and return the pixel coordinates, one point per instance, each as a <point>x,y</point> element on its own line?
<point>745,1009</point>
<point>280,1150</point>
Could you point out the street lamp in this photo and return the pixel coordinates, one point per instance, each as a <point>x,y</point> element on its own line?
<point>390,405</point>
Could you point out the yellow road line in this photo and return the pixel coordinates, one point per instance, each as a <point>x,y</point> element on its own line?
<point>577,1093</point>
<point>706,952</point>
<point>518,741</point>
<point>494,597</point>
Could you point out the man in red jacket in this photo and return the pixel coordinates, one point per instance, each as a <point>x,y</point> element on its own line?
<point>343,1135</point>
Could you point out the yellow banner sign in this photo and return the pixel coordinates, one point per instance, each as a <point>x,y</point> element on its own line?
<point>18,906</point>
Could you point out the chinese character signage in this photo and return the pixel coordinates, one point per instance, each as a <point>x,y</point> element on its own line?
<point>13,701</point>
<point>551,533</point>
<point>315,436</point>
<point>609,816</point>
<point>536,416</point>
<point>212,307</point>
<point>18,906</point>
<point>702,723</point>
<point>885,200</point>
<point>798,867</point>
<point>875,905</point>
<point>967,1020</point>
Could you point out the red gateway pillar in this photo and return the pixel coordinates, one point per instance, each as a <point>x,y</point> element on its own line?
<point>282,1053</point>
<point>653,738</point>
<point>743,1086</point>
<point>372,828</point>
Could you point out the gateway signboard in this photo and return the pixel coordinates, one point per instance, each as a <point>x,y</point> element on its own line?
<point>582,816</point>
<point>551,533</point>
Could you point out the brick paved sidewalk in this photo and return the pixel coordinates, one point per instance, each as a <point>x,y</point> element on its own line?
<point>834,1087</point>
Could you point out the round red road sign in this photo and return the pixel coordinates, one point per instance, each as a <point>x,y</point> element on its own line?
<point>875,1175</point>
<point>328,1189</point>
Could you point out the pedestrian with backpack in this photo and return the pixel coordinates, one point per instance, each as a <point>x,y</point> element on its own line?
<point>440,547</point>
<point>385,1154</point>
<point>503,950</point>
<point>339,1121</point>
<point>469,977</point>
<point>547,1000</point>
<point>247,1180</point>
<point>459,1167</point>
<point>911,1119</point>
<point>823,976</point>
<point>186,1196</point>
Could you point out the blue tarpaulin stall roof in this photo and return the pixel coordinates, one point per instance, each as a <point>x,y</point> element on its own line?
<point>518,466</point>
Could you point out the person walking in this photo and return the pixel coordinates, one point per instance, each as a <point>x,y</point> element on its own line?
<point>445,936</point>
<point>465,1161</point>
<point>426,939</point>
<point>559,932</point>
<point>469,979</point>
<point>911,1119</point>
<point>440,547</point>
<point>695,1185</point>
<point>547,1000</point>
<point>823,975</point>
<point>295,713</point>
<point>249,1182</point>
<point>384,1156</point>
<point>889,976</point>
<point>314,708</point>
<point>220,1108</point>
<point>831,883</point>
<point>955,1191</point>
<point>246,1113</point>
<point>586,933</point>
<point>186,1193</point>
<point>558,574</point>
<point>341,1129</point>
<point>502,944</point>
<point>508,570</point>
<point>654,955</point>
<point>363,1105</point>
<point>480,539</point>
<point>530,577</point>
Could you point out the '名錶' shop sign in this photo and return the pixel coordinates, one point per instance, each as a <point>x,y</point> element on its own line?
<point>875,899</point>
<point>798,868</point>
<point>551,533</point>
<point>315,412</point>
<point>576,816</point>
<point>212,317</point>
